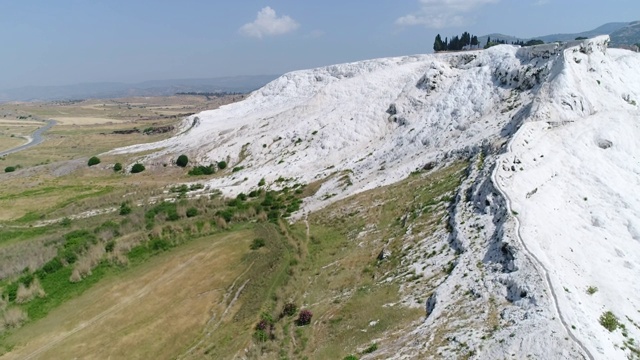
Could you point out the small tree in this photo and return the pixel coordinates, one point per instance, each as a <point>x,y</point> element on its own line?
<point>222,165</point>
<point>94,160</point>
<point>182,161</point>
<point>9,169</point>
<point>136,168</point>
<point>117,167</point>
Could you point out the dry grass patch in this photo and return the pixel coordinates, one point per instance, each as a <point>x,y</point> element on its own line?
<point>154,311</point>
<point>85,120</point>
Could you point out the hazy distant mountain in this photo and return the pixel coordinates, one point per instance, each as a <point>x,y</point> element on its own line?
<point>627,35</point>
<point>147,88</point>
<point>621,33</point>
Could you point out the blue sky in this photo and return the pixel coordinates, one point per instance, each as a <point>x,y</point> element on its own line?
<point>73,41</point>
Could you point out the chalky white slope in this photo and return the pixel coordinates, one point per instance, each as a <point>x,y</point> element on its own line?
<point>570,173</point>
<point>379,119</point>
<point>576,187</point>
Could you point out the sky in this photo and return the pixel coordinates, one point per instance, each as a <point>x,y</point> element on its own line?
<point>78,41</point>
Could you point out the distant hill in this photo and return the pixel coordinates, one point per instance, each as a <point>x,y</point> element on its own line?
<point>147,88</point>
<point>627,35</point>
<point>621,33</point>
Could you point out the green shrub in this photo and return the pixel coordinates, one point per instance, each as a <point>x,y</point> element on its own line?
<point>257,243</point>
<point>261,182</point>
<point>137,168</point>
<point>237,168</point>
<point>592,290</point>
<point>117,167</point>
<point>373,347</point>
<point>182,161</point>
<point>202,170</point>
<point>191,212</point>
<point>125,209</point>
<point>609,321</point>
<point>261,335</point>
<point>159,245</point>
<point>66,222</point>
<point>9,169</point>
<point>94,160</point>
<point>110,246</point>
<point>289,309</point>
<point>350,357</point>
<point>222,165</point>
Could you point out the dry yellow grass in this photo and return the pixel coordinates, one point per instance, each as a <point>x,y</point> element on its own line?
<point>7,142</point>
<point>152,312</point>
<point>85,120</point>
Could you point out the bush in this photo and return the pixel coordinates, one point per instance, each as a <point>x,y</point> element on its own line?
<point>609,321</point>
<point>137,168</point>
<point>191,212</point>
<point>289,309</point>
<point>117,167</point>
<point>182,161</point>
<point>261,182</point>
<point>237,168</point>
<point>373,347</point>
<point>9,169</point>
<point>257,244</point>
<point>222,165</point>
<point>94,160</point>
<point>202,170</point>
<point>304,318</point>
<point>125,209</point>
<point>350,357</point>
<point>261,336</point>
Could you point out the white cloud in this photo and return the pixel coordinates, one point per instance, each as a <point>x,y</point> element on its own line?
<point>438,14</point>
<point>267,23</point>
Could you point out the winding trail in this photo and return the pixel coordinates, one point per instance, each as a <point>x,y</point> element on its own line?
<point>33,140</point>
<point>532,256</point>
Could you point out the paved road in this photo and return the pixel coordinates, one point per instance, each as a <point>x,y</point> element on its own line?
<point>35,139</point>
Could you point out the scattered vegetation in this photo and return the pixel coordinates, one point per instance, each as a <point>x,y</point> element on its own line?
<point>592,290</point>
<point>117,167</point>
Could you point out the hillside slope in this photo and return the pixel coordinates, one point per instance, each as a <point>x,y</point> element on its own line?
<point>518,286</point>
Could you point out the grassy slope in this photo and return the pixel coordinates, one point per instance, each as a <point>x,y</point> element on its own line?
<point>151,311</point>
